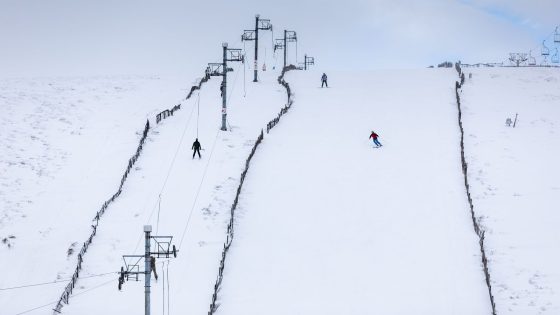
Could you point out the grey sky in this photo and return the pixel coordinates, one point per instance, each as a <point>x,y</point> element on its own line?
<point>75,37</point>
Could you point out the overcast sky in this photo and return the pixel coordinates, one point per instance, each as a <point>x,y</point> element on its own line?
<point>79,37</point>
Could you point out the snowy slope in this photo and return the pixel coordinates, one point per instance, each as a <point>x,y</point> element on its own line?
<point>514,178</point>
<point>65,143</point>
<point>194,205</point>
<point>327,224</point>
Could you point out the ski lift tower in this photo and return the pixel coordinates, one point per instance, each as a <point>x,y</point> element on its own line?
<point>132,262</point>
<point>248,35</point>
<point>545,52</point>
<point>555,58</point>
<point>282,43</point>
<point>308,61</point>
<point>517,58</point>
<point>221,69</point>
<point>532,61</point>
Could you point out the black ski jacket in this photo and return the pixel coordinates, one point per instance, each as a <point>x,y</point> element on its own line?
<point>196,145</point>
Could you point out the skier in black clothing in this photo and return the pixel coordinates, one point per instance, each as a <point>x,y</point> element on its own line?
<point>196,148</point>
<point>324,80</point>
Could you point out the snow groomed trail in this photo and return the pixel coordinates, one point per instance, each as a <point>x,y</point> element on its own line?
<point>327,224</point>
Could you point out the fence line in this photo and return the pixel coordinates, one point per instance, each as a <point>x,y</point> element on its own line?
<point>502,65</point>
<point>64,298</point>
<point>169,112</point>
<point>230,227</point>
<point>476,224</point>
<point>289,103</point>
<point>166,113</point>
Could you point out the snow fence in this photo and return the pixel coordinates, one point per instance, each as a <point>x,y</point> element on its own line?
<point>230,227</point>
<point>169,112</point>
<point>476,224</point>
<point>65,296</point>
<point>285,109</point>
<point>70,286</point>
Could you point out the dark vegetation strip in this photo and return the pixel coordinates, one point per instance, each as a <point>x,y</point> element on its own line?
<point>478,229</point>
<point>230,228</point>
<point>65,296</point>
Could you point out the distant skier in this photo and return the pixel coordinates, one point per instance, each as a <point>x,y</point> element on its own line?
<point>196,148</point>
<point>324,80</point>
<point>374,136</point>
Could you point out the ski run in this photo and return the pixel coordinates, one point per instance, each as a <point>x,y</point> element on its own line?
<point>326,223</point>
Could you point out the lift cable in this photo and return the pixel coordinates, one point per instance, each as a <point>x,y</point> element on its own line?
<point>53,282</point>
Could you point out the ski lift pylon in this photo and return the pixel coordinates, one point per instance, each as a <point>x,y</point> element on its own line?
<point>532,60</point>
<point>555,58</point>
<point>544,50</point>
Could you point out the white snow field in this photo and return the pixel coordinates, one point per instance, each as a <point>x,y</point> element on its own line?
<point>180,196</point>
<point>196,195</point>
<point>64,145</point>
<point>327,224</point>
<point>514,175</point>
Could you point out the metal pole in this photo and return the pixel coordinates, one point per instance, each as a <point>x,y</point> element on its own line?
<point>148,270</point>
<point>224,87</point>
<point>305,62</point>
<point>515,121</point>
<point>285,47</point>
<point>256,46</point>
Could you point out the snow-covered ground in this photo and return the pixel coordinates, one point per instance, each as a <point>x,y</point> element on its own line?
<point>46,122</point>
<point>196,195</point>
<point>514,175</point>
<point>327,224</point>
<point>65,143</point>
<point>179,196</point>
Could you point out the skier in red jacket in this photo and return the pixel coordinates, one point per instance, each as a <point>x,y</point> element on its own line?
<point>374,136</point>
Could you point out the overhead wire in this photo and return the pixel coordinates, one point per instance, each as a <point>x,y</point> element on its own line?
<point>168,173</point>
<point>244,67</point>
<point>206,167</point>
<point>159,210</point>
<point>234,83</point>
<point>232,89</point>
<point>153,209</point>
<point>168,293</point>
<point>163,286</point>
<point>54,282</point>
<point>75,295</point>
<point>198,190</point>
<point>274,56</point>
<point>296,52</point>
<point>198,113</point>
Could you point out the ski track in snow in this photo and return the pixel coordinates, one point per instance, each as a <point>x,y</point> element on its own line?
<point>328,225</point>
